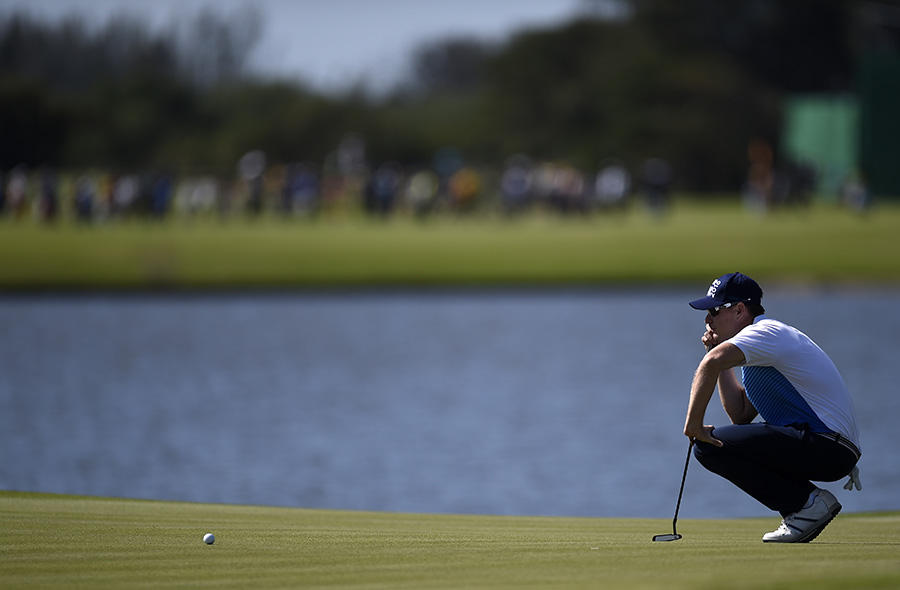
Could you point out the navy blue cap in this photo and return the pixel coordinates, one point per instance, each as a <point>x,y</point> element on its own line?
<point>730,288</point>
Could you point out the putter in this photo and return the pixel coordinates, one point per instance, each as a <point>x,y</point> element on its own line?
<point>674,536</point>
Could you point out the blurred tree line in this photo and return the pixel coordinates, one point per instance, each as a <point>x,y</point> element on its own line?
<point>691,81</point>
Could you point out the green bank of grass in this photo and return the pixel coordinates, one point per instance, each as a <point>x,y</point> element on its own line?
<point>50,541</point>
<point>693,243</point>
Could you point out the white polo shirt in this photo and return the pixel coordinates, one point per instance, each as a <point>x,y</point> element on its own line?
<point>790,380</point>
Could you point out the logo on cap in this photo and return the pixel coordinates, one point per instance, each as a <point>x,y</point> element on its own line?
<point>713,288</point>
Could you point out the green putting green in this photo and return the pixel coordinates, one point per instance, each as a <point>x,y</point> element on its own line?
<point>53,541</point>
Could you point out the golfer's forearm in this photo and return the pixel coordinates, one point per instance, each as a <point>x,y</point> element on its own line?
<point>734,400</point>
<point>701,392</point>
<point>740,411</point>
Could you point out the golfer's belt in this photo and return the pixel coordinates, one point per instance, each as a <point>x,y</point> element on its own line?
<point>843,441</point>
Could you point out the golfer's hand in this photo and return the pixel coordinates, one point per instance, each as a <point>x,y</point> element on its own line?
<point>854,480</point>
<point>703,434</point>
<point>708,339</point>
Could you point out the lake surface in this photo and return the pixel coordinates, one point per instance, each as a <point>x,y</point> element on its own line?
<point>566,403</point>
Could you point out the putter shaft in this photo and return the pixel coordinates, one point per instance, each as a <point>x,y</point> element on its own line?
<point>675,536</point>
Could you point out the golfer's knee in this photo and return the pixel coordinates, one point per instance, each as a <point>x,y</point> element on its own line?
<point>706,453</point>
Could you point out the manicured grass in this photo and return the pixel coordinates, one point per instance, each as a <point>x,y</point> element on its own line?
<point>50,541</point>
<point>693,243</point>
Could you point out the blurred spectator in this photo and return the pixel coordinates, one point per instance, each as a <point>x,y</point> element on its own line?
<point>105,194</point>
<point>48,202</point>
<point>447,161</point>
<point>542,183</point>
<point>124,194</point>
<point>656,175</point>
<point>854,193</point>
<point>17,191</point>
<point>381,190</point>
<point>760,177</point>
<point>464,187</point>
<point>196,195</point>
<point>352,168</point>
<point>160,195</point>
<point>300,189</point>
<point>85,190</point>
<point>332,187</point>
<point>572,190</point>
<point>561,186</point>
<point>255,188</point>
<point>515,184</point>
<point>251,167</point>
<point>2,195</point>
<point>219,195</point>
<point>421,192</point>
<point>802,182</point>
<point>611,186</point>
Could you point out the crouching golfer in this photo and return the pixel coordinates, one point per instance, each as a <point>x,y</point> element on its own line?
<point>809,429</point>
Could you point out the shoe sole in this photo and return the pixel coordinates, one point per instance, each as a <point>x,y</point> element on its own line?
<point>814,531</point>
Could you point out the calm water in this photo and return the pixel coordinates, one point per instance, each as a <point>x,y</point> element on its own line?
<point>549,403</point>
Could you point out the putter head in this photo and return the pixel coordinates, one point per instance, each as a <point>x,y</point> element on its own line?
<point>667,537</point>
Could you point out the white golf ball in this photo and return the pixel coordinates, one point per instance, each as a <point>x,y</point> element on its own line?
<point>209,538</point>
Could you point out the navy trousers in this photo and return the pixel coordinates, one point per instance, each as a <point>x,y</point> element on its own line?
<point>775,464</point>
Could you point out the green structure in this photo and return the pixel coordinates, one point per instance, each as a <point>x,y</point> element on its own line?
<point>858,133</point>
<point>823,131</point>
<point>879,133</point>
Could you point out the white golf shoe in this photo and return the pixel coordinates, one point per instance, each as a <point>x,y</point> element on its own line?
<point>803,526</point>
